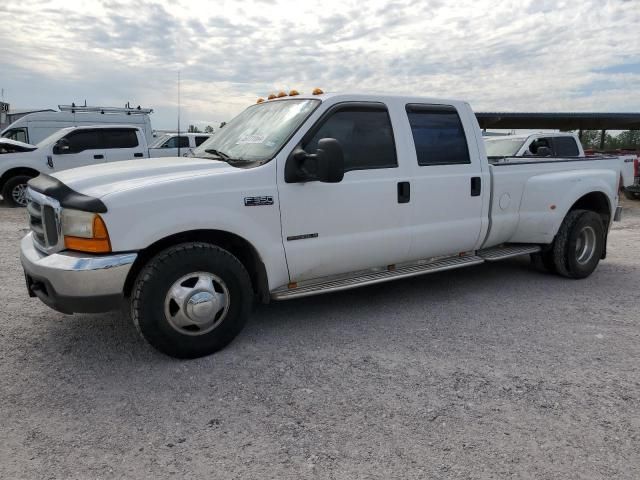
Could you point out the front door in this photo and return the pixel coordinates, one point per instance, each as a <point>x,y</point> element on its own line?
<point>358,223</point>
<point>85,148</point>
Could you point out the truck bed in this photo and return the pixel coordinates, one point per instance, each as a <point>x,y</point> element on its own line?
<point>531,195</point>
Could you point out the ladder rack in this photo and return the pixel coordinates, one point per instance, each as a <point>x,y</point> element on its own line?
<point>129,110</point>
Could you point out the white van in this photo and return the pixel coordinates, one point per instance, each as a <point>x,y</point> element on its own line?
<point>35,127</point>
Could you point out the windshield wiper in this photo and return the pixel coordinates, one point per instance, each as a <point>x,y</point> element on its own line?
<point>217,153</point>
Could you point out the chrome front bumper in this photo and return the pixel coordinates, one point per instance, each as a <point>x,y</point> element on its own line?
<point>75,282</point>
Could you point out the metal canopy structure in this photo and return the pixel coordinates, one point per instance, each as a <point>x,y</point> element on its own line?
<point>559,120</point>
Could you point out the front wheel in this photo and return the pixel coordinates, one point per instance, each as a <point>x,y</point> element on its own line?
<point>14,191</point>
<point>191,300</point>
<point>579,244</point>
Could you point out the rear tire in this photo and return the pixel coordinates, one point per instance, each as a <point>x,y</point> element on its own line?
<point>579,244</point>
<point>15,190</point>
<point>191,300</point>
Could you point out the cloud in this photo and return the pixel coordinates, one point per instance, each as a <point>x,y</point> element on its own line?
<point>528,55</point>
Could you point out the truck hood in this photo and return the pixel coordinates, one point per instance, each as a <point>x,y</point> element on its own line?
<point>100,180</point>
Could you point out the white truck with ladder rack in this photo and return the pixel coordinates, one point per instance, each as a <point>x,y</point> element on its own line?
<point>303,195</point>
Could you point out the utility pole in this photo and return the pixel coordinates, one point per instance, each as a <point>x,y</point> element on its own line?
<point>178,112</point>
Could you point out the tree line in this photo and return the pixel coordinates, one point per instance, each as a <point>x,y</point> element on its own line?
<point>207,129</point>
<point>628,139</point>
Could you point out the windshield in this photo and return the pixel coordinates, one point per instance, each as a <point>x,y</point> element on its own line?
<point>54,136</point>
<point>258,133</point>
<point>18,134</point>
<point>503,147</point>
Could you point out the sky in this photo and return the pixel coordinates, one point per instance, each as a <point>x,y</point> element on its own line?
<point>498,55</point>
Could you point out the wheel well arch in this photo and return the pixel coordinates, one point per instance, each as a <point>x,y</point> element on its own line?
<point>597,202</point>
<point>239,247</point>
<point>17,171</point>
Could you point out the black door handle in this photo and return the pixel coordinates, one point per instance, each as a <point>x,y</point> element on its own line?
<point>404,192</point>
<point>138,155</point>
<point>98,157</point>
<point>476,186</point>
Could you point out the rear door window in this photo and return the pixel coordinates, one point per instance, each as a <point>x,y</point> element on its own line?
<point>119,138</point>
<point>438,135</point>
<point>565,147</point>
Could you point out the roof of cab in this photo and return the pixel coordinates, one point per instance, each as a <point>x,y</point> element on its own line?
<point>369,97</point>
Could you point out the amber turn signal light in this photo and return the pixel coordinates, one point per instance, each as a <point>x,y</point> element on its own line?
<point>100,242</point>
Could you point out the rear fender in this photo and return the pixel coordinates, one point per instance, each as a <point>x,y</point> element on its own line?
<point>547,199</point>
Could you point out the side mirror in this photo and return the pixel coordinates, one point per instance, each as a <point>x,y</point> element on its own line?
<point>330,161</point>
<point>543,151</point>
<point>61,147</point>
<point>326,165</point>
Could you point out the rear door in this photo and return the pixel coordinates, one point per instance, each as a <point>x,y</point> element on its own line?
<point>122,144</point>
<point>447,183</point>
<point>85,148</point>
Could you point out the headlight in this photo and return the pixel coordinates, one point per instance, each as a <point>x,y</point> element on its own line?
<point>85,232</point>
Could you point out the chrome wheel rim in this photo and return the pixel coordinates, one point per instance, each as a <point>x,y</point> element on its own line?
<point>19,194</point>
<point>585,245</point>
<point>196,303</point>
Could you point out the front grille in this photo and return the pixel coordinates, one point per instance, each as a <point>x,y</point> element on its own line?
<point>44,221</point>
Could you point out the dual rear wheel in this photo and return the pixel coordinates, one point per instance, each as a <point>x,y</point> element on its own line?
<point>577,248</point>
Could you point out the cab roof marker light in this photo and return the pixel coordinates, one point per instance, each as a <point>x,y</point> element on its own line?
<point>317,91</point>
<point>271,96</point>
<point>260,100</point>
<point>282,94</point>
<point>293,93</point>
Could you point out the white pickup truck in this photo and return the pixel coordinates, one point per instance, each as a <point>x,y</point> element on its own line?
<point>555,144</point>
<point>174,145</point>
<point>66,148</point>
<point>299,196</point>
<point>552,145</point>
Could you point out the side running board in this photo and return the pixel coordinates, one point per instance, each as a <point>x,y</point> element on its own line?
<point>370,277</point>
<point>346,283</point>
<point>507,251</point>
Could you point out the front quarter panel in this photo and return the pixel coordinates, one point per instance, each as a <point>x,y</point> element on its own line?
<point>139,217</point>
<point>548,197</point>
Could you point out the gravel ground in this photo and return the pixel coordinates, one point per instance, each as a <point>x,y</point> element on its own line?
<point>496,371</point>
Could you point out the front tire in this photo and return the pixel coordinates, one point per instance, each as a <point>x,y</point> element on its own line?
<point>14,191</point>
<point>579,244</point>
<point>191,300</point>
